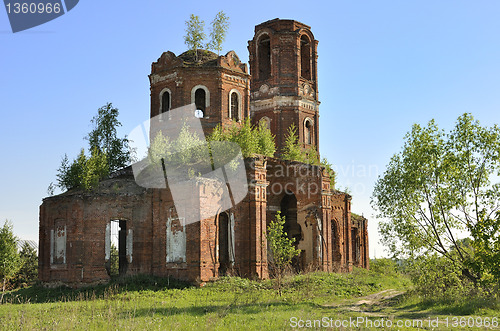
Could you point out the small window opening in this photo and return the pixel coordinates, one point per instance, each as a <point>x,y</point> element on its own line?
<point>200,98</point>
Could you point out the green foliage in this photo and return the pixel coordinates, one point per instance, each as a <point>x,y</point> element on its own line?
<point>292,150</point>
<point>265,140</point>
<point>10,262</point>
<point>437,278</point>
<point>281,249</point>
<point>385,266</point>
<point>329,169</point>
<point>252,140</point>
<point>218,32</point>
<point>107,153</point>
<point>182,155</point>
<point>28,273</point>
<point>486,245</point>
<point>194,33</point>
<point>438,185</point>
<point>114,261</point>
<point>104,138</point>
<point>84,172</point>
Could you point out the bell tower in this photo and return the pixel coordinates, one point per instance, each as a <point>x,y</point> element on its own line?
<point>284,85</point>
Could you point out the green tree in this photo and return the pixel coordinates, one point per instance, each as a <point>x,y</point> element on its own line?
<point>437,186</point>
<point>28,272</point>
<point>265,140</point>
<point>104,138</point>
<point>108,153</point>
<point>218,32</point>
<point>292,150</point>
<point>10,262</point>
<point>281,249</point>
<point>195,34</point>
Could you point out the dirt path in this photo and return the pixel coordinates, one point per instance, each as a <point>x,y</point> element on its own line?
<point>370,305</point>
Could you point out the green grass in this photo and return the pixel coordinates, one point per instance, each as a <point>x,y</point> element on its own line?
<point>229,303</point>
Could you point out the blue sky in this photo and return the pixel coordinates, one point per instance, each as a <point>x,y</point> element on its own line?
<point>383,65</point>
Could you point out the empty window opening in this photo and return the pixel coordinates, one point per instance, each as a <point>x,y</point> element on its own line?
<point>305,58</point>
<point>235,107</point>
<point>200,98</point>
<point>165,102</point>
<point>116,248</point>
<point>264,56</point>
<point>308,132</point>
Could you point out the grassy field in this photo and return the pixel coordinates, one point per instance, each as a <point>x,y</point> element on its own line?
<point>231,303</point>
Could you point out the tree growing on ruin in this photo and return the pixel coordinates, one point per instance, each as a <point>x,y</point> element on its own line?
<point>195,34</point>
<point>281,249</point>
<point>108,153</point>
<point>218,31</point>
<point>439,185</point>
<point>10,262</point>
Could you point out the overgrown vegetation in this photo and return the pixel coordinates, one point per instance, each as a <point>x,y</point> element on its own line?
<point>152,302</point>
<point>251,139</point>
<point>281,249</point>
<point>293,151</point>
<point>108,153</point>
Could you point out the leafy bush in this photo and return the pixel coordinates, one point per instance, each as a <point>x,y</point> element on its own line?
<point>384,266</point>
<point>437,279</point>
<point>251,139</point>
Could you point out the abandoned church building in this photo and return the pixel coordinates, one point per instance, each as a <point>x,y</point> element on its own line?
<point>79,229</point>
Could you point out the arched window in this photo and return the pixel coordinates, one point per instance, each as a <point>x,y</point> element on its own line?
<point>308,131</point>
<point>264,57</point>
<point>305,57</point>
<point>200,96</point>
<point>235,105</point>
<point>165,102</point>
<point>266,122</point>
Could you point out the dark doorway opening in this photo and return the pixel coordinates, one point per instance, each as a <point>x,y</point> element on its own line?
<point>224,242</point>
<point>292,227</point>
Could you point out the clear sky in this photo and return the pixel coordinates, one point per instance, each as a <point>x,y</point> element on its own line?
<point>383,65</point>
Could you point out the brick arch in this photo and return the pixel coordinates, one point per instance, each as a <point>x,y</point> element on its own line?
<point>207,95</point>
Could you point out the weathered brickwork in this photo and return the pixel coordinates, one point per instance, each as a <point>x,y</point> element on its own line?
<point>78,228</point>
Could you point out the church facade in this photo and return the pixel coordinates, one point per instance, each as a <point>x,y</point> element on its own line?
<point>137,229</point>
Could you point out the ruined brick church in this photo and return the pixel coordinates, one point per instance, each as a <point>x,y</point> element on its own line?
<point>78,228</point>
